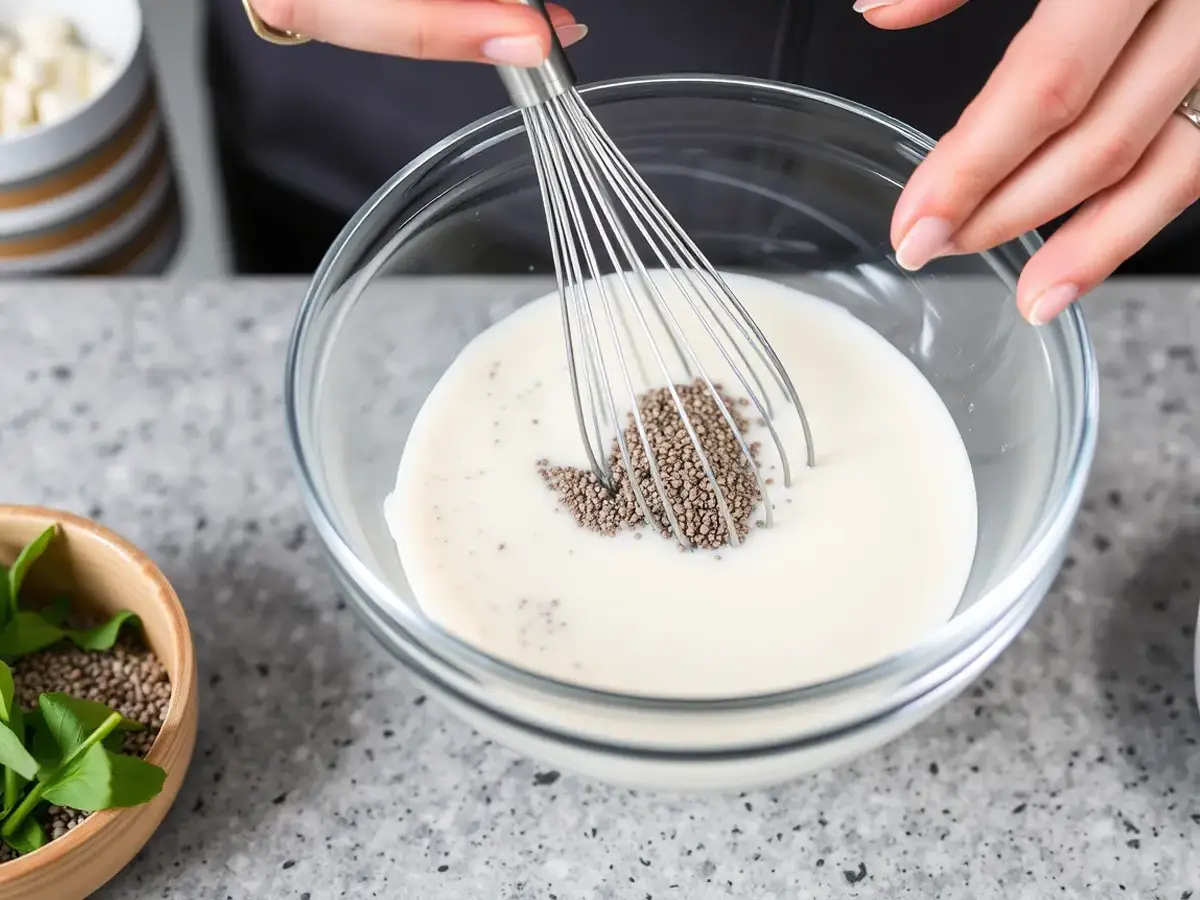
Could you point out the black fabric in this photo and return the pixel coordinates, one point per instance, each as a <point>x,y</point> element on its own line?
<point>308,133</point>
<point>274,229</point>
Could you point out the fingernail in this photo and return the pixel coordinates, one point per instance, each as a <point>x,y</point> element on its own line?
<point>1050,302</point>
<point>863,6</point>
<point>924,241</point>
<point>525,51</point>
<point>571,34</point>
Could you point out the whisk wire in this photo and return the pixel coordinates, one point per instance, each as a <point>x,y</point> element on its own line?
<point>746,324</point>
<point>639,193</point>
<point>634,204</point>
<point>593,351</point>
<point>552,202</point>
<point>604,221</point>
<point>594,198</point>
<point>604,211</point>
<point>680,340</point>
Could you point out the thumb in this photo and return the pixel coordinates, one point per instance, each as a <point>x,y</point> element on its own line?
<point>892,15</point>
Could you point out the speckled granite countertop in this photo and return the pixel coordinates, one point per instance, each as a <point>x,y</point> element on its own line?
<point>1072,769</point>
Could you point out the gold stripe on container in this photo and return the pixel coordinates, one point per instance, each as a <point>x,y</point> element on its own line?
<point>91,166</point>
<point>140,244</point>
<point>93,223</point>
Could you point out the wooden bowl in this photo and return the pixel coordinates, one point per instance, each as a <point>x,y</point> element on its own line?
<point>104,573</point>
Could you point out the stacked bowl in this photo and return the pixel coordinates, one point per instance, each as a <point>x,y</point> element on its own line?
<point>91,192</point>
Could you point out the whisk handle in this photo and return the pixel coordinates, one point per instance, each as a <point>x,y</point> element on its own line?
<point>531,87</point>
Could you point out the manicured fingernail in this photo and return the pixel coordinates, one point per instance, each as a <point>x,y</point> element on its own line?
<point>863,6</point>
<point>924,241</point>
<point>1050,302</point>
<point>571,34</point>
<point>514,51</point>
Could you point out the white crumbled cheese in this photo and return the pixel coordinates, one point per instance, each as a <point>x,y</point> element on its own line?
<point>43,35</point>
<point>100,73</point>
<point>47,73</point>
<point>17,110</point>
<point>54,104</point>
<point>72,71</point>
<point>8,47</point>
<point>32,72</point>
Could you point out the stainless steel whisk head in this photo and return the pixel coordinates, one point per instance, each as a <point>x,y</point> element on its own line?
<point>614,314</point>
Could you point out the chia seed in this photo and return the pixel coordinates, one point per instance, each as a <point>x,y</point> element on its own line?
<point>689,490</point>
<point>128,678</point>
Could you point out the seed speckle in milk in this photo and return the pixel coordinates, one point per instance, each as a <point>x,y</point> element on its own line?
<point>869,550</point>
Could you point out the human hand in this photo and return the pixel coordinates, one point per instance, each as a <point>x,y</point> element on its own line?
<point>499,32</point>
<point>1081,110</point>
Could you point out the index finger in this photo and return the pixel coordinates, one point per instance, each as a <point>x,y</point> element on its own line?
<point>1043,83</point>
<point>896,14</point>
<point>463,30</point>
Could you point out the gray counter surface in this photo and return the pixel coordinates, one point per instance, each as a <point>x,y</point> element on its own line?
<point>1071,769</point>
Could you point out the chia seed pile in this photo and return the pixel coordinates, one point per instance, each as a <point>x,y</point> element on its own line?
<point>128,678</point>
<point>688,489</point>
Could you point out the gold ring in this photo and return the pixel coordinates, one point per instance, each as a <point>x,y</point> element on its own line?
<point>1190,107</point>
<point>270,34</point>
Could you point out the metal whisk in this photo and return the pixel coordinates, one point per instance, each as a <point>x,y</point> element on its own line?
<point>596,207</point>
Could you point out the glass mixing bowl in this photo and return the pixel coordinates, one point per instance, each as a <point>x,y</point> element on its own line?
<point>769,179</point>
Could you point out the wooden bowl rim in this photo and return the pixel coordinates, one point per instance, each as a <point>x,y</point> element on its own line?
<point>140,566</point>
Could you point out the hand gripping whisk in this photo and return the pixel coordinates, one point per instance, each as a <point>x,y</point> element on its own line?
<point>605,221</point>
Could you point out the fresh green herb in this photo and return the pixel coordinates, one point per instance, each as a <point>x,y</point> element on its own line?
<point>74,763</point>
<point>69,721</point>
<point>5,599</point>
<point>31,631</point>
<point>26,631</point>
<point>83,773</point>
<point>17,762</point>
<point>8,693</point>
<point>102,637</point>
<point>28,837</point>
<point>14,755</point>
<point>58,611</point>
<point>26,558</point>
<point>43,745</point>
<point>66,752</point>
<point>13,781</point>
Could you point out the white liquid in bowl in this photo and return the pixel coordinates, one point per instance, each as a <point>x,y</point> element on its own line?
<point>869,552</point>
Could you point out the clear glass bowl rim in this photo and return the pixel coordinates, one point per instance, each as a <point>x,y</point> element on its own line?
<point>960,632</point>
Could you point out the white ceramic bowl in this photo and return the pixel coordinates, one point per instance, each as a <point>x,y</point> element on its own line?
<point>95,192</point>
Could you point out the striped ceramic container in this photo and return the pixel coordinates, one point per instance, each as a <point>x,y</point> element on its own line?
<point>95,193</point>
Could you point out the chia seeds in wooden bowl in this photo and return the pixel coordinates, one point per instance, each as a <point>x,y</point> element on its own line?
<point>128,678</point>
<point>103,576</point>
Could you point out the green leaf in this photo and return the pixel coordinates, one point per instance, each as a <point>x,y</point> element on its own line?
<point>134,781</point>
<point>13,782</point>
<point>28,837</point>
<point>87,776</point>
<point>40,742</point>
<point>101,779</point>
<point>27,557</point>
<point>8,690</point>
<point>102,637</point>
<point>13,754</point>
<point>5,603</point>
<point>69,721</point>
<point>27,633</point>
<point>83,783</point>
<point>42,745</point>
<point>58,611</point>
